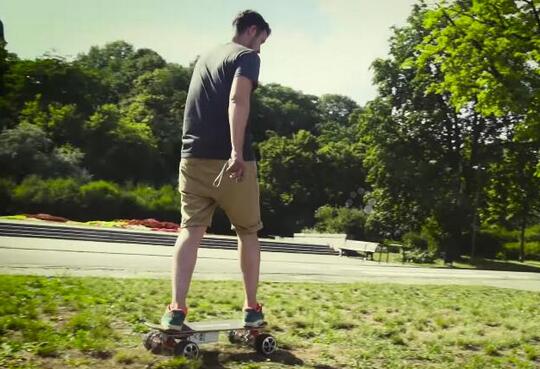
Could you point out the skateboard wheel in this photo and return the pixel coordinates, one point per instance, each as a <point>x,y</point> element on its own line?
<point>152,342</point>
<point>265,344</point>
<point>187,349</point>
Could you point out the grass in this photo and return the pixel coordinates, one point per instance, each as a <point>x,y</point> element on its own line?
<point>466,263</point>
<point>68,322</point>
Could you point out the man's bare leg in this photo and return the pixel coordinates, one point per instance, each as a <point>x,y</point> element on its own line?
<point>184,260</point>
<point>250,260</point>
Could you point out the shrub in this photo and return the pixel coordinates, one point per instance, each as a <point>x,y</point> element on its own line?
<point>420,256</point>
<point>433,234</point>
<point>74,199</point>
<point>415,240</point>
<point>533,233</point>
<point>163,202</point>
<point>106,200</point>
<point>505,243</point>
<point>510,250</point>
<point>340,220</point>
<point>6,189</point>
<point>59,196</point>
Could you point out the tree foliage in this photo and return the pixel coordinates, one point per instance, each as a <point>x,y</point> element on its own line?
<point>443,157</point>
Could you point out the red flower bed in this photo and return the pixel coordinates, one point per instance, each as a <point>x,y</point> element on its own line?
<point>48,217</point>
<point>154,224</point>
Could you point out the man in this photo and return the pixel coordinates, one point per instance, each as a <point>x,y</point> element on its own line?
<point>217,166</point>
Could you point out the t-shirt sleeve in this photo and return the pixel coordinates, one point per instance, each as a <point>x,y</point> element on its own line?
<point>248,66</point>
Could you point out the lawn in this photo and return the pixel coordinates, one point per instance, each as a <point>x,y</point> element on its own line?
<point>68,322</point>
<point>466,263</point>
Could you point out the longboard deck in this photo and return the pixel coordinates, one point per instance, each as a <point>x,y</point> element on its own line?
<point>206,326</point>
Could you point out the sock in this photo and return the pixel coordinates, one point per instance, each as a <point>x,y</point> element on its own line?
<point>183,309</point>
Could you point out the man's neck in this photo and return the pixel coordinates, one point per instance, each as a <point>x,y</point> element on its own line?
<point>239,41</point>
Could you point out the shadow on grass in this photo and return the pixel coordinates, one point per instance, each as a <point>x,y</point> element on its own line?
<point>216,359</point>
<point>487,264</point>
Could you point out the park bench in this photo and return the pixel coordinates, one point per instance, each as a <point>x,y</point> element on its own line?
<point>364,249</point>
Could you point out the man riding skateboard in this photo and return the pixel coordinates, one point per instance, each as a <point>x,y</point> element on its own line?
<point>217,166</point>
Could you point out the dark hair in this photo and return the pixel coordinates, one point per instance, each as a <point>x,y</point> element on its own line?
<point>2,39</point>
<point>249,18</point>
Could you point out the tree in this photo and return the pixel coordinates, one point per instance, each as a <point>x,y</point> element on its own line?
<point>336,108</point>
<point>119,148</point>
<point>424,158</point>
<point>301,173</point>
<point>120,65</point>
<point>514,193</point>
<point>55,81</point>
<point>488,53</point>
<point>288,175</point>
<point>158,99</point>
<point>26,149</point>
<point>62,123</point>
<point>282,110</point>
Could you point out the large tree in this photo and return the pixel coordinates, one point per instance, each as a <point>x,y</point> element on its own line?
<point>119,65</point>
<point>157,99</point>
<point>488,52</point>
<point>282,110</point>
<point>425,160</point>
<point>55,80</point>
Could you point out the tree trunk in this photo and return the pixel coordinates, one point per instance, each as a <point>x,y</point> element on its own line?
<point>474,224</point>
<point>522,240</point>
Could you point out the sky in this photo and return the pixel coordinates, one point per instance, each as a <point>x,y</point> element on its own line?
<point>316,46</point>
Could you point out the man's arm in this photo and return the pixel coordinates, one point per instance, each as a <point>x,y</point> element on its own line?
<point>239,104</point>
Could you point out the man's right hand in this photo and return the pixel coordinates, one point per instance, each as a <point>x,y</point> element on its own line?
<point>236,168</point>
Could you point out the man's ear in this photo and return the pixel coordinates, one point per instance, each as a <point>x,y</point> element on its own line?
<point>252,30</point>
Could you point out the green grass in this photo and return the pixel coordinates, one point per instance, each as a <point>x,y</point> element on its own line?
<point>466,263</point>
<point>68,322</point>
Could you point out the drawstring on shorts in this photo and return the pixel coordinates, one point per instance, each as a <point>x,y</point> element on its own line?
<point>217,181</point>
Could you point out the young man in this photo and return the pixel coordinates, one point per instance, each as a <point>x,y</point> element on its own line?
<point>217,166</point>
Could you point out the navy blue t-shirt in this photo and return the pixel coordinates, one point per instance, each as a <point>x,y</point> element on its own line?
<point>206,130</point>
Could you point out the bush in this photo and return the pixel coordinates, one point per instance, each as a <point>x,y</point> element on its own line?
<point>6,189</point>
<point>74,199</point>
<point>106,200</point>
<point>163,202</point>
<point>533,233</point>
<point>59,196</point>
<point>420,256</point>
<point>340,220</point>
<point>510,250</point>
<point>501,233</point>
<point>415,240</point>
<point>433,234</point>
<point>504,243</point>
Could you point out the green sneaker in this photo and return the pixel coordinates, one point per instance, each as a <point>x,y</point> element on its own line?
<point>254,317</point>
<point>173,319</point>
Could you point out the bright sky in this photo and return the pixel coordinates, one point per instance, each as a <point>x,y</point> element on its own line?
<point>316,46</point>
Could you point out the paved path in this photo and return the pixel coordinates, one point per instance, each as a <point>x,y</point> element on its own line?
<point>83,258</point>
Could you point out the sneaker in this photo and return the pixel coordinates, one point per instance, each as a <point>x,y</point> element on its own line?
<point>254,317</point>
<point>173,319</point>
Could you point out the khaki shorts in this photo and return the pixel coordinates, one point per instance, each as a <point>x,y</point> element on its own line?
<point>199,196</point>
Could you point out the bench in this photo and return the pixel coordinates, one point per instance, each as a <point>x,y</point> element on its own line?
<point>364,249</point>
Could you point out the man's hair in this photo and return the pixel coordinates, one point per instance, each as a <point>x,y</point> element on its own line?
<point>249,18</point>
